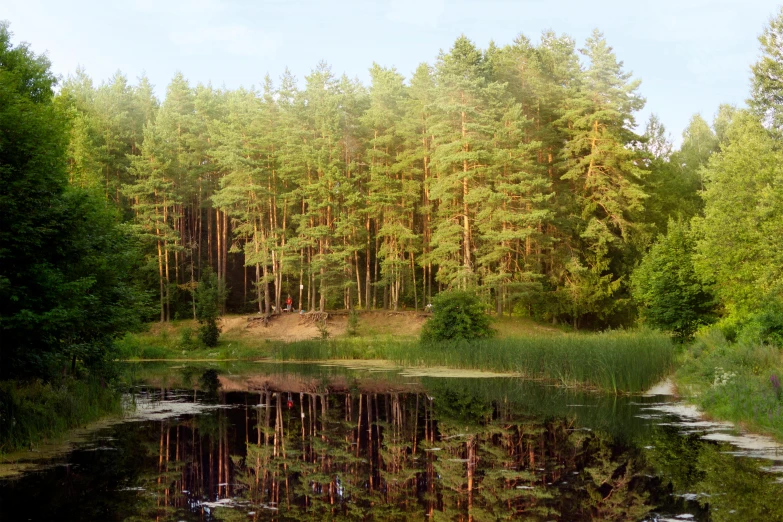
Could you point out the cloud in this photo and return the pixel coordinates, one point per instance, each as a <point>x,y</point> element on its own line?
<point>232,39</point>
<point>421,13</point>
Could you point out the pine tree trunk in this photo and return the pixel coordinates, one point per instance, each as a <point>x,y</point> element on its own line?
<point>160,278</point>
<point>367,276</point>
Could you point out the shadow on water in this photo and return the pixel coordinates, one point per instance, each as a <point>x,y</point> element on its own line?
<point>308,442</point>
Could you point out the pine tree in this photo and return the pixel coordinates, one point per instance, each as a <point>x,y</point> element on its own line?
<point>605,175</point>
<point>415,158</point>
<point>463,130</point>
<point>391,197</point>
<point>154,201</point>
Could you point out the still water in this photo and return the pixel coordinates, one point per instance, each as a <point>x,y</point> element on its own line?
<point>310,442</point>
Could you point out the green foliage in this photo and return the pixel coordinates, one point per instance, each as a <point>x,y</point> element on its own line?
<point>671,295</point>
<point>210,295</point>
<point>209,333</point>
<point>352,325</point>
<point>32,412</point>
<point>456,316</point>
<point>186,341</point>
<point>323,331</point>
<point>66,265</point>
<point>674,182</point>
<point>734,381</point>
<point>738,246</point>
<point>766,97</point>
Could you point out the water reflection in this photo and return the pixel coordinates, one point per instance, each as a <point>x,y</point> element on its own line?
<point>295,446</point>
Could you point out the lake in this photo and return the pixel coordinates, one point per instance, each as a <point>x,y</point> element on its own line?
<point>261,441</point>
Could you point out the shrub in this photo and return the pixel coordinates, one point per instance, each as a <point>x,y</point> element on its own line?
<point>456,316</point>
<point>209,333</point>
<point>210,294</point>
<point>186,339</point>
<point>352,327</point>
<point>323,331</point>
<point>666,285</point>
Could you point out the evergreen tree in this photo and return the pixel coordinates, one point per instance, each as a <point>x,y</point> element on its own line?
<point>209,297</point>
<point>465,116</point>
<point>606,180</point>
<point>392,195</point>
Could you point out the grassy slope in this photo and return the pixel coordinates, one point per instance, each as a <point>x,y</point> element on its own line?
<point>178,339</point>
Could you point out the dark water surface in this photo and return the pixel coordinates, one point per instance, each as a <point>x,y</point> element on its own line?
<point>307,442</point>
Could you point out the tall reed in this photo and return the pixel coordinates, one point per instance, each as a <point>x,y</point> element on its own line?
<point>620,362</point>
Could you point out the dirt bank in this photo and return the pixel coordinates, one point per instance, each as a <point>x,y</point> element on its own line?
<point>293,327</point>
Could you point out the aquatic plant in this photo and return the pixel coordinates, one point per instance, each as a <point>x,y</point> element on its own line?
<point>619,361</point>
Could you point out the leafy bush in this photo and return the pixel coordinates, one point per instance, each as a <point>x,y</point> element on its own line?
<point>456,316</point>
<point>210,295</point>
<point>186,341</point>
<point>671,295</point>
<point>765,326</point>
<point>323,331</point>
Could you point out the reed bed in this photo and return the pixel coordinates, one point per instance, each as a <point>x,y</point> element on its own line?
<point>619,361</point>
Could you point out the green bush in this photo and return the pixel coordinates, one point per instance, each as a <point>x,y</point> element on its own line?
<point>666,285</point>
<point>209,333</point>
<point>210,295</point>
<point>456,316</point>
<point>186,341</point>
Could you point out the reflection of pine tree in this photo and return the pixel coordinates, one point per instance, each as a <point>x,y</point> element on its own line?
<point>389,455</point>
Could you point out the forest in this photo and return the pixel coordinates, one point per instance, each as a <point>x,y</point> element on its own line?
<point>515,172</point>
<point>518,173</point>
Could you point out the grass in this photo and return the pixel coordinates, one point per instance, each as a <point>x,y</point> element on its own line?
<point>620,362</point>
<point>178,340</point>
<point>33,412</point>
<point>734,381</point>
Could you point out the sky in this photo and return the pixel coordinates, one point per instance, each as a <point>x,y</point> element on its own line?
<point>691,55</point>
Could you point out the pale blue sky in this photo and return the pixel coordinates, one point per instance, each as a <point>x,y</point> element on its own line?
<point>691,55</point>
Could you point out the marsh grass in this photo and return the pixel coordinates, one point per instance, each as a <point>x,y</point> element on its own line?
<point>620,362</point>
<point>37,411</point>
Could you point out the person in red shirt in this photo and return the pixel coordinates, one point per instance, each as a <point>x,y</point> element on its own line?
<point>289,304</point>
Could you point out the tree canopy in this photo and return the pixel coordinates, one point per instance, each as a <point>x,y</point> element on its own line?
<point>65,258</point>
